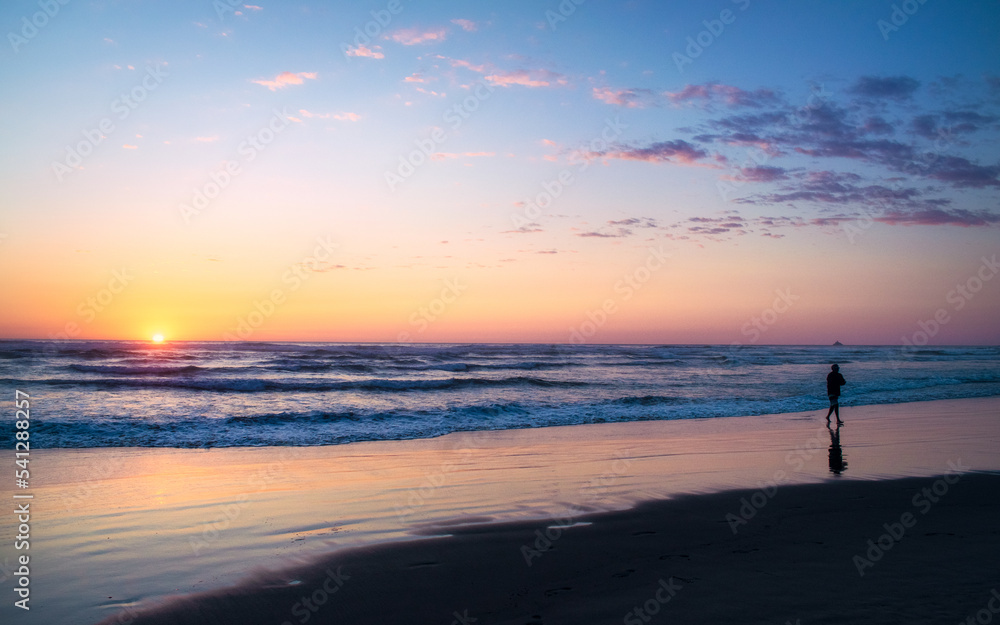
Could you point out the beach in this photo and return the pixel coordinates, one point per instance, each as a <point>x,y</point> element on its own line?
<point>126,534</point>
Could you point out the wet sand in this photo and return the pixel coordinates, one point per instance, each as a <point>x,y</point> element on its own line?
<point>119,530</point>
<point>803,557</point>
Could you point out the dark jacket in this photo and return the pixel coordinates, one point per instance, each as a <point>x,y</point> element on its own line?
<point>833,383</point>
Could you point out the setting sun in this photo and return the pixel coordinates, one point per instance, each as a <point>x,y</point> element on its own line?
<point>157,338</point>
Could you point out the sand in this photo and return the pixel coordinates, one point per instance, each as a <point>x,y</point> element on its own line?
<point>120,530</point>
<point>803,557</point>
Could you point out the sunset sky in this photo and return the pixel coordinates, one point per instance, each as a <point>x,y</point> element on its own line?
<point>640,172</point>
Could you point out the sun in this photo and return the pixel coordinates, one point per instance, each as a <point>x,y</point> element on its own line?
<point>157,338</point>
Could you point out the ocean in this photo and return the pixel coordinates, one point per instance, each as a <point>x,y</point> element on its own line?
<point>211,394</point>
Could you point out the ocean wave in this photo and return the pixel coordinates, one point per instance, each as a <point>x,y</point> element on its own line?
<point>648,400</point>
<point>259,385</point>
<point>137,370</point>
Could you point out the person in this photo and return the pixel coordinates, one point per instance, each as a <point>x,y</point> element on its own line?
<point>834,380</point>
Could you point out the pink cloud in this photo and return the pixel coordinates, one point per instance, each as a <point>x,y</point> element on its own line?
<point>526,78</point>
<point>285,79</point>
<point>344,117</point>
<point>372,53</point>
<point>413,36</point>
<point>629,98</point>
<point>479,69</point>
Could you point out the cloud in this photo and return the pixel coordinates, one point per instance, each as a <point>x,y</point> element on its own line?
<point>284,79</point>
<point>892,87</point>
<point>344,117</point>
<point>520,77</point>
<point>414,36</point>
<point>530,228</point>
<point>729,95</point>
<point>467,25</point>
<point>253,7</point>
<point>629,98</point>
<point>939,217</point>
<point>620,233</point>
<point>130,147</point>
<point>877,126</point>
<point>527,78</point>
<point>677,151</point>
<point>961,172</point>
<point>762,173</point>
<point>636,222</point>
<point>372,53</point>
<point>210,139</point>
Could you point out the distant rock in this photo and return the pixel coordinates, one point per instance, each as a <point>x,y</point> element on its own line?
<point>838,344</point>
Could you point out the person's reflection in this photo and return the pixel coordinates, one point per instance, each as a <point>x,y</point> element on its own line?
<point>837,463</point>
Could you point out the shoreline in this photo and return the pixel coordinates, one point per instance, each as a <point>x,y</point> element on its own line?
<point>207,517</point>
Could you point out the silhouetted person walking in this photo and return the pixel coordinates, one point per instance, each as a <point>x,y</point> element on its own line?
<point>833,383</point>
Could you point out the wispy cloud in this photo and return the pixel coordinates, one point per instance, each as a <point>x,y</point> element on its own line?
<point>285,79</point>
<point>713,93</point>
<point>344,117</point>
<point>677,151</point>
<point>466,25</point>
<point>892,87</point>
<point>416,36</point>
<point>507,78</point>
<point>628,98</point>
<point>528,78</point>
<point>374,52</point>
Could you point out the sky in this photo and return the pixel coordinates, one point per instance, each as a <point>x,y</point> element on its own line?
<point>725,172</point>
